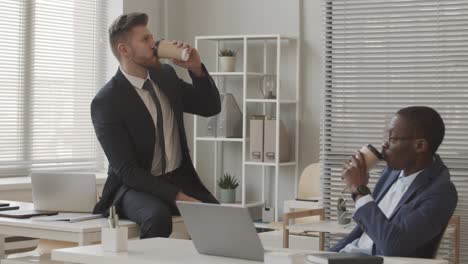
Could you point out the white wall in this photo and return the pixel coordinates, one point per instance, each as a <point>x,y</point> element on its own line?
<point>154,9</point>
<point>185,19</point>
<point>313,80</point>
<point>188,18</point>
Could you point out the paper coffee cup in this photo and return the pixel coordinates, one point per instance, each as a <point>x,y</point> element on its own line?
<point>371,155</point>
<point>166,50</point>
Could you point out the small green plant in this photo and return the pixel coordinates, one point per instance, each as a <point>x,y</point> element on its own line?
<point>228,182</point>
<point>227,53</point>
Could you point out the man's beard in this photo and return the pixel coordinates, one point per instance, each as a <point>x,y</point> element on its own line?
<point>154,64</point>
<point>150,64</point>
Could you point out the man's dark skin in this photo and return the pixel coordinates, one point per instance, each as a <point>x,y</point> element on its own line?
<point>403,150</point>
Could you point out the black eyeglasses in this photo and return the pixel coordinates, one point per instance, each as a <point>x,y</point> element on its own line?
<point>395,139</point>
<point>391,139</point>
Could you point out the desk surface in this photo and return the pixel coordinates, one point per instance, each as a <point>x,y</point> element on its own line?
<point>83,233</point>
<point>166,250</point>
<point>93,225</point>
<point>323,226</point>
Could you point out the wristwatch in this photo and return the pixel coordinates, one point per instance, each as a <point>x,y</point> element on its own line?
<point>361,190</point>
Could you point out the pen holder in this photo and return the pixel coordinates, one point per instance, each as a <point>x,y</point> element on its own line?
<point>114,239</point>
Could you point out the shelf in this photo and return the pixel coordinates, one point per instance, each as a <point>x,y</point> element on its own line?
<point>270,101</point>
<point>283,164</point>
<point>255,72</point>
<point>247,204</point>
<point>269,225</point>
<point>248,74</point>
<point>241,37</point>
<point>222,139</point>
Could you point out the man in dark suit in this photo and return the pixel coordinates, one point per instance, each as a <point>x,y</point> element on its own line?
<point>414,198</point>
<point>138,120</point>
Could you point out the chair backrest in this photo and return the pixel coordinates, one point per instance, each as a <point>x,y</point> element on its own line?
<point>309,183</point>
<point>454,224</point>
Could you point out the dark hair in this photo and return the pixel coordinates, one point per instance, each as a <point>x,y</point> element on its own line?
<point>425,122</point>
<point>122,25</point>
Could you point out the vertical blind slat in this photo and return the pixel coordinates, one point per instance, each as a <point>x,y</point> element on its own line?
<point>53,61</point>
<point>381,56</point>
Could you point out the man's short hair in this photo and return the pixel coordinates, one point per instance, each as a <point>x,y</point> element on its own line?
<point>122,26</point>
<point>426,123</point>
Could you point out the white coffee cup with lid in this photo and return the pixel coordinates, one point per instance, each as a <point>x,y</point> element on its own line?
<point>164,49</point>
<point>371,155</point>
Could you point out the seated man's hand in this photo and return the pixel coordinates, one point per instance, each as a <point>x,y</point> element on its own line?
<point>355,172</point>
<point>185,198</point>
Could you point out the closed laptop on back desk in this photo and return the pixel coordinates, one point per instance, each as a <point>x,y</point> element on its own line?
<point>64,192</point>
<point>24,214</point>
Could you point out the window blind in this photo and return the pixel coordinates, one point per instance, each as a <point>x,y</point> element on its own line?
<point>12,30</point>
<point>55,61</point>
<point>383,55</point>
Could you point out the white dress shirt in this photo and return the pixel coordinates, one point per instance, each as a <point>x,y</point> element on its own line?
<point>387,205</point>
<point>170,127</point>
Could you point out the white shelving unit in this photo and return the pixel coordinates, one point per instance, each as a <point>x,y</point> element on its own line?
<point>272,44</point>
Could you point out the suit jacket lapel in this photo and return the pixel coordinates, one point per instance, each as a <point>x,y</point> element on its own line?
<point>165,85</point>
<point>391,179</point>
<point>136,105</point>
<point>161,80</point>
<point>421,180</point>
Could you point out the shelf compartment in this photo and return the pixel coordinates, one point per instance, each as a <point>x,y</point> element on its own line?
<point>240,74</point>
<point>220,139</point>
<point>281,164</point>
<point>271,101</point>
<point>248,37</point>
<point>247,204</point>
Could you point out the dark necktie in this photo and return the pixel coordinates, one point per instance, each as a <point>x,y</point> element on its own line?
<point>159,124</point>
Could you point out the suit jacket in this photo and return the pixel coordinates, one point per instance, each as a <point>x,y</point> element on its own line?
<point>126,131</point>
<point>417,224</point>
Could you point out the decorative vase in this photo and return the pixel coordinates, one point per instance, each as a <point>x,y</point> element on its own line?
<point>227,64</point>
<point>227,195</point>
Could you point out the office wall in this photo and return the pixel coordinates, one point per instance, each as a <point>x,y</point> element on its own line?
<point>115,9</point>
<point>154,9</point>
<point>185,19</point>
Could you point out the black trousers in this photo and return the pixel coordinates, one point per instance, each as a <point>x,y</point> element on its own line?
<point>153,215</point>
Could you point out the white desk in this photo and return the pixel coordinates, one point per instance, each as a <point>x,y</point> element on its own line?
<point>170,251</point>
<point>83,233</point>
<point>326,226</point>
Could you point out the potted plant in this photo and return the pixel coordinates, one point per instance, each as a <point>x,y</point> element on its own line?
<point>227,60</point>
<point>227,188</point>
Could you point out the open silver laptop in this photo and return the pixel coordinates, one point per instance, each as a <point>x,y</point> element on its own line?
<point>64,192</point>
<point>222,230</point>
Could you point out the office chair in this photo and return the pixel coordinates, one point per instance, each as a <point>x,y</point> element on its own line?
<point>454,224</point>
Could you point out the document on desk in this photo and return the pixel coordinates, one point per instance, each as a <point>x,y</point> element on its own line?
<point>68,217</point>
<point>342,258</point>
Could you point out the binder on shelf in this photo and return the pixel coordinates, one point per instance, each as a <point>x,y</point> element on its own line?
<point>256,137</point>
<point>269,148</point>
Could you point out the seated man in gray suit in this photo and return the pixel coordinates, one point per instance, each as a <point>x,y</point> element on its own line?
<point>414,198</point>
<point>138,120</point>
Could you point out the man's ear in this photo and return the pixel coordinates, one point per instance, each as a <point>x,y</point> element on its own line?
<point>421,145</point>
<point>123,49</point>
